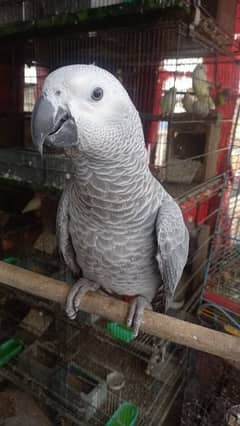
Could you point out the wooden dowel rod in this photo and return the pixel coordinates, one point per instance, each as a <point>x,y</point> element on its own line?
<point>178,331</point>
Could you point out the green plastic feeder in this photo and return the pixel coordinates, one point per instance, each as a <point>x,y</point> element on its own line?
<point>126,415</point>
<point>12,260</point>
<point>9,349</point>
<point>120,332</point>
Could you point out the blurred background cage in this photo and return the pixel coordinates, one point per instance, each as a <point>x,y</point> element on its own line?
<point>221,295</point>
<point>25,10</point>
<point>211,393</point>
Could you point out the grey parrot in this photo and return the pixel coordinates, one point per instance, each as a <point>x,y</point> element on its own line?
<point>115,221</point>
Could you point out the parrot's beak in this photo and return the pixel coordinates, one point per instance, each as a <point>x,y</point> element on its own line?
<point>53,126</point>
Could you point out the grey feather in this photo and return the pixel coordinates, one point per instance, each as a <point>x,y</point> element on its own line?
<point>63,236</point>
<point>173,243</point>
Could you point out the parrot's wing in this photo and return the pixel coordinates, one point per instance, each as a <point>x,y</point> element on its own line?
<point>63,236</point>
<point>173,244</point>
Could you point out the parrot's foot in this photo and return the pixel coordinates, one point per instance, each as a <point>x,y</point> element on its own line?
<point>74,297</point>
<point>136,313</point>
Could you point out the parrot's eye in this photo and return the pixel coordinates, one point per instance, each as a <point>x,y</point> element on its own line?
<point>97,94</point>
<point>58,92</point>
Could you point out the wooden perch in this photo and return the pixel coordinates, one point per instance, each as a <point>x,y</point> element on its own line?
<point>181,332</point>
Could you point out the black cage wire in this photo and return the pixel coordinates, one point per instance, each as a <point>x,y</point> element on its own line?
<point>28,10</point>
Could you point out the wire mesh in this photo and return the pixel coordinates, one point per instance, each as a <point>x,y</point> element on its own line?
<point>56,370</point>
<point>28,10</point>
<point>211,392</point>
<point>223,269</point>
<point>25,10</point>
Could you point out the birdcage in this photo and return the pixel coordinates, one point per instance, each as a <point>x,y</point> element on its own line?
<point>222,277</point>
<point>149,58</point>
<point>79,388</point>
<point>26,10</point>
<point>73,11</point>
<point>211,392</point>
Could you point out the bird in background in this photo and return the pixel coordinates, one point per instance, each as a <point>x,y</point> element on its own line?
<point>198,100</point>
<point>203,105</point>
<point>200,83</point>
<point>188,101</point>
<point>222,96</point>
<point>118,230</point>
<point>168,101</point>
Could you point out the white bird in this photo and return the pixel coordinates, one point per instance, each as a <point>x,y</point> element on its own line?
<point>187,102</point>
<point>201,106</point>
<point>168,101</point>
<point>199,81</point>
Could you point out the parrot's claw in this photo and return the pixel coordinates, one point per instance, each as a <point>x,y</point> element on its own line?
<point>74,297</point>
<point>136,313</point>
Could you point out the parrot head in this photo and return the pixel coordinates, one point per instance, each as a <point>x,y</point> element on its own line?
<point>85,109</point>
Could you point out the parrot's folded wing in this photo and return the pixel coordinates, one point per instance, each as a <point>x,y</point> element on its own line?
<point>173,244</point>
<point>63,236</point>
